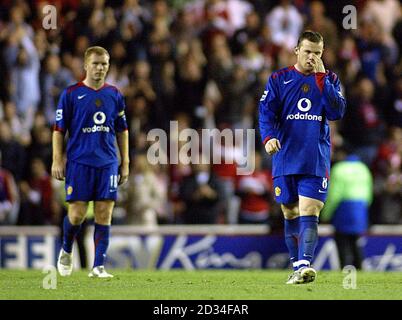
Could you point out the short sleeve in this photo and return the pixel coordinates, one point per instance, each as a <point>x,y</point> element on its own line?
<point>62,113</point>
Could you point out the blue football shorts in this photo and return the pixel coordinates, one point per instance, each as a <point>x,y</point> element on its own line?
<point>84,183</point>
<point>288,188</point>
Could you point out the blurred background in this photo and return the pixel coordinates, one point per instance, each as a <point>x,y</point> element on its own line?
<point>203,63</point>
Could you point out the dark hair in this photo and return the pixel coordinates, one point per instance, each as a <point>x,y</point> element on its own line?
<point>312,36</point>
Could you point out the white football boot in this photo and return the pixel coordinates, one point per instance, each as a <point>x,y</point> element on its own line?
<point>99,272</point>
<point>303,275</point>
<point>291,278</point>
<point>65,263</point>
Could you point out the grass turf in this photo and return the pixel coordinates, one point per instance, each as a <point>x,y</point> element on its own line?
<point>199,285</point>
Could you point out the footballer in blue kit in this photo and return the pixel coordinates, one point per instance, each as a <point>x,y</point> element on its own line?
<point>294,111</point>
<point>93,114</point>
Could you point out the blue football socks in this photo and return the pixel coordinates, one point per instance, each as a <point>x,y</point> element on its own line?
<point>69,233</point>
<point>308,238</point>
<point>291,239</point>
<point>101,240</point>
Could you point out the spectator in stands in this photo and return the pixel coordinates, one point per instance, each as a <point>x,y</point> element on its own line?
<point>254,191</point>
<point>202,194</point>
<point>37,197</point>
<point>53,80</point>
<point>9,197</point>
<point>41,146</point>
<point>230,155</point>
<point>349,197</point>
<point>13,153</point>
<point>220,61</point>
<point>372,51</point>
<point>388,179</point>
<point>251,59</point>
<point>384,14</point>
<point>318,21</point>
<point>147,194</point>
<point>24,66</point>
<point>250,31</point>
<point>363,123</point>
<point>285,23</point>
<point>20,134</point>
<point>393,107</point>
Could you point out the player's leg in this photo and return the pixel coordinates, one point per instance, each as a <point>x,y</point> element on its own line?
<point>286,195</point>
<point>105,197</point>
<point>79,184</point>
<point>308,234</point>
<point>291,229</point>
<point>103,217</point>
<point>308,237</point>
<point>312,195</point>
<point>71,226</point>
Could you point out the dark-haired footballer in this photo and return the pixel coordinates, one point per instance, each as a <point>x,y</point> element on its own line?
<point>294,111</point>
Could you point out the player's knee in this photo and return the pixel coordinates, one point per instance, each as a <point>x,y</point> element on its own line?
<point>77,212</point>
<point>290,212</point>
<point>76,217</point>
<point>311,210</point>
<point>103,219</point>
<point>103,213</point>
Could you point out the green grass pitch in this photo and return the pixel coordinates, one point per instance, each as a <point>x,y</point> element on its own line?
<point>200,285</point>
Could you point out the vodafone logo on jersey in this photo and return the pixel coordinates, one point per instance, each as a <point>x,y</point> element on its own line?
<point>99,119</point>
<point>304,105</point>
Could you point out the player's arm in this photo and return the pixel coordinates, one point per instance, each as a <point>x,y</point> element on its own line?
<point>335,103</point>
<point>268,109</point>
<point>122,141</point>
<point>59,129</point>
<point>57,148</point>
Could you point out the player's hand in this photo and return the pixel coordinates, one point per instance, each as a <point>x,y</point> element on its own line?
<point>58,170</point>
<point>318,65</point>
<point>123,173</point>
<point>272,146</point>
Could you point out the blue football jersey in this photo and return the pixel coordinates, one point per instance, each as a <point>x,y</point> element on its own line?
<point>91,118</point>
<point>295,109</point>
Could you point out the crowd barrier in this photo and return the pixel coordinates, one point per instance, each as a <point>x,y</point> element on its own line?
<point>195,247</point>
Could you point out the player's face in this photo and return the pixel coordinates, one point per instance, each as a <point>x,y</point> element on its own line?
<point>305,53</point>
<point>97,66</point>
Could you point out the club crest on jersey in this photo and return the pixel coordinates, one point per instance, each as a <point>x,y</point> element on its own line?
<point>98,102</point>
<point>278,191</point>
<point>305,88</point>
<point>69,190</point>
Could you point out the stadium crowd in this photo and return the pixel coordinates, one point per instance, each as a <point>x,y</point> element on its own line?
<point>204,64</point>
